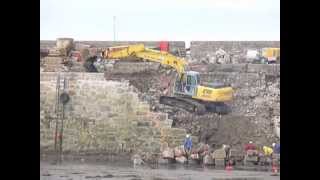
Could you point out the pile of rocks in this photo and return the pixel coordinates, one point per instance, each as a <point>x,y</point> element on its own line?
<point>200,154</point>
<point>238,49</point>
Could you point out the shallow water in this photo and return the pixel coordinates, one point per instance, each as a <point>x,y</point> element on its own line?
<point>93,171</point>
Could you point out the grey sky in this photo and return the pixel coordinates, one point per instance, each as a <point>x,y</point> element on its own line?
<point>161,19</point>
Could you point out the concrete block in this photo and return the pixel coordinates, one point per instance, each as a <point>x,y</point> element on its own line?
<point>219,154</point>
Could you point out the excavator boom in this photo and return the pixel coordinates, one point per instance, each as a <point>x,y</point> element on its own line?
<point>140,51</point>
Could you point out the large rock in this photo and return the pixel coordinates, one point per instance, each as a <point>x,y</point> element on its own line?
<point>201,147</point>
<point>181,160</point>
<point>208,160</point>
<point>195,156</point>
<point>219,154</point>
<point>168,153</point>
<point>179,151</point>
<point>137,160</point>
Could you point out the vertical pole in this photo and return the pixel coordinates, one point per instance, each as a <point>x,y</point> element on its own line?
<point>57,114</point>
<point>61,132</point>
<point>114,28</point>
<point>62,120</point>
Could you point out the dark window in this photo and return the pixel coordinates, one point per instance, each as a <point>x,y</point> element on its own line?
<point>189,80</point>
<point>198,79</point>
<point>192,80</point>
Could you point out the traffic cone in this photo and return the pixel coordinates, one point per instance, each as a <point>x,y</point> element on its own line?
<point>274,170</point>
<point>229,167</point>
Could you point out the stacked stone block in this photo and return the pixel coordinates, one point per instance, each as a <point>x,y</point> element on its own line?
<point>101,117</point>
<point>53,64</point>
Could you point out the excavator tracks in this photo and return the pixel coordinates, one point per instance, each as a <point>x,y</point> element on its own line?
<point>184,103</point>
<point>194,106</point>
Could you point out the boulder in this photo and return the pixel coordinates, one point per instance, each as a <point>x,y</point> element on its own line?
<point>202,148</point>
<point>179,151</point>
<point>195,156</point>
<point>168,153</point>
<point>219,154</point>
<point>208,160</point>
<point>204,154</point>
<point>181,160</point>
<point>138,162</point>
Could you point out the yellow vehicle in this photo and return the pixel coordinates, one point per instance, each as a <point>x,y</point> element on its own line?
<point>188,92</point>
<point>271,55</point>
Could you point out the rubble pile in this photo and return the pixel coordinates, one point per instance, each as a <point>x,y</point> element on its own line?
<point>236,49</point>
<point>260,104</point>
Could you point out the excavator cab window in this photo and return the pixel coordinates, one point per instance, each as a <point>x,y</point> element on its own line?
<point>191,84</point>
<point>191,80</point>
<point>198,79</point>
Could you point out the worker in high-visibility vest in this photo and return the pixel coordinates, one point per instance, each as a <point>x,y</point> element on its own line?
<point>267,150</point>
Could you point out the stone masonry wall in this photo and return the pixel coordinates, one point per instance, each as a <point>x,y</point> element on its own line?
<point>174,45</point>
<point>102,117</point>
<point>200,49</point>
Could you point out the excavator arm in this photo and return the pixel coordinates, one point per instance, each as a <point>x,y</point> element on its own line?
<point>139,51</point>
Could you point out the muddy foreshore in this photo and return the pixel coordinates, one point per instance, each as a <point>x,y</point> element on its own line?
<point>78,167</point>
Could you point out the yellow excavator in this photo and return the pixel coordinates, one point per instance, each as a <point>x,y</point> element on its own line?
<point>188,91</point>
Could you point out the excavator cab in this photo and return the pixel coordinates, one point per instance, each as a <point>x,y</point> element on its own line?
<point>187,84</point>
